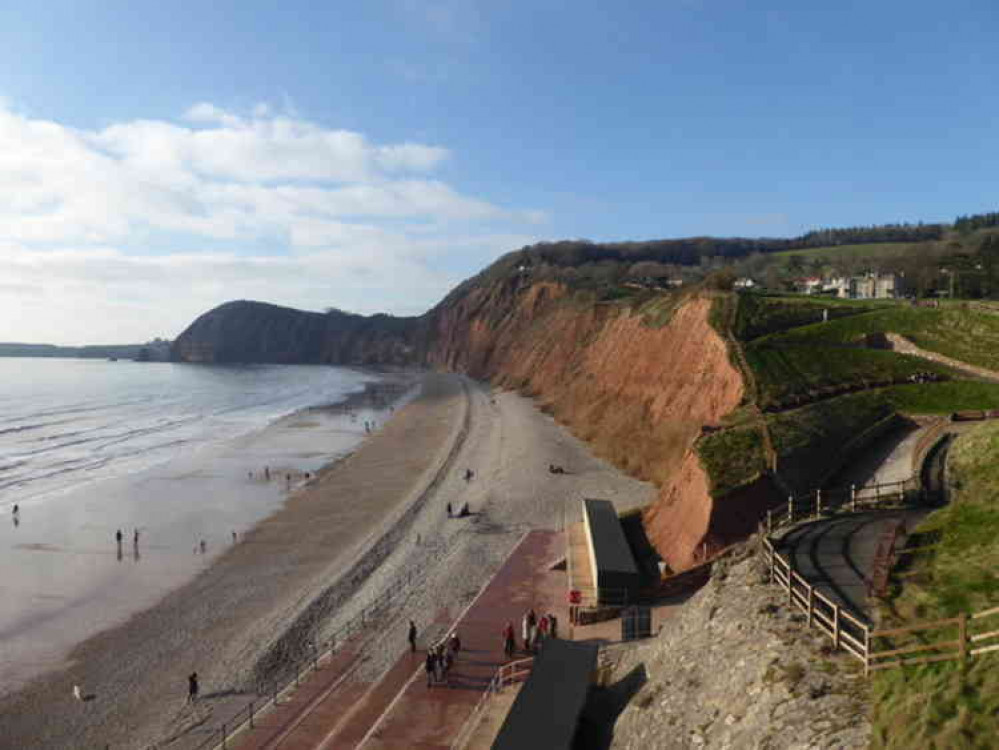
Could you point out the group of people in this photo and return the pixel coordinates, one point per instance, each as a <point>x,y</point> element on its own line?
<point>266,474</point>
<point>533,631</point>
<point>440,659</point>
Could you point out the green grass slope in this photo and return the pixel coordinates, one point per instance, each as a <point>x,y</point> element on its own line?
<point>823,393</point>
<point>948,705</point>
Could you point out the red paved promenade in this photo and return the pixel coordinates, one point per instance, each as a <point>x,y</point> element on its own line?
<point>333,711</point>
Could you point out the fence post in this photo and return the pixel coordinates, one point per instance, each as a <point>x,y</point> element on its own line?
<point>225,737</point>
<point>251,714</point>
<point>772,553</point>
<point>962,634</point>
<point>811,604</point>
<point>867,651</point>
<point>790,508</point>
<point>274,692</point>
<point>790,581</point>
<point>853,498</point>
<point>877,494</point>
<point>836,625</point>
<point>818,503</point>
<point>770,523</point>
<point>296,675</point>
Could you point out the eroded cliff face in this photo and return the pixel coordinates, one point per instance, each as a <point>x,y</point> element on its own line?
<point>639,394</point>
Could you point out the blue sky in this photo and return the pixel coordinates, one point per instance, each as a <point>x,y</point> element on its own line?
<point>370,155</point>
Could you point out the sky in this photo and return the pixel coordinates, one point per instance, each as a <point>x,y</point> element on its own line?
<point>158,159</point>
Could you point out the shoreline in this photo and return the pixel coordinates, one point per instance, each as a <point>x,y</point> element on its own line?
<point>65,584</point>
<point>222,622</point>
<point>301,574</point>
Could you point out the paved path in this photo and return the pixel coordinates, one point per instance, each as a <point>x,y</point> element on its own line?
<point>419,717</point>
<point>837,555</point>
<point>333,710</point>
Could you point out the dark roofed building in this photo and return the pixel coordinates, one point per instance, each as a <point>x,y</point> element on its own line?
<point>547,708</point>
<point>615,574</point>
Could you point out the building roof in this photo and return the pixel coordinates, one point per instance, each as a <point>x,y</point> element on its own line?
<point>547,708</point>
<point>609,544</point>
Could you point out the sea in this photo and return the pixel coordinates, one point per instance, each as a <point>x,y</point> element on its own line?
<point>178,461</point>
<point>64,422</point>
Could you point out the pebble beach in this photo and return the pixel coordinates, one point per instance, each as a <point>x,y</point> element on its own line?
<point>363,525</point>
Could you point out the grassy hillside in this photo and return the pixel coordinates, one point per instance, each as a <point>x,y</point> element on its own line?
<point>824,394</point>
<point>967,334</point>
<point>944,705</point>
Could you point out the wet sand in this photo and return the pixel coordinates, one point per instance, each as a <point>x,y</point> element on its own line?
<point>89,590</point>
<point>373,523</point>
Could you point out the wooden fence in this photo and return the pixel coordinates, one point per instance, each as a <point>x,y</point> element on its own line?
<point>956,638</point>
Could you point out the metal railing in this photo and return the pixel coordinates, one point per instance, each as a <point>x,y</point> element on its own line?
<point>269,693</point>
<point>507,674</point>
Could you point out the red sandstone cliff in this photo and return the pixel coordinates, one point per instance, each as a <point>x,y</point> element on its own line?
<point>639,394</point>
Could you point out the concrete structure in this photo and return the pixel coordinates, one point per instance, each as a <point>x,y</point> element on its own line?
<point>547,709</point>
<point>612,563</point>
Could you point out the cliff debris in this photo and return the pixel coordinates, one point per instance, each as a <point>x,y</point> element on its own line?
<point>736,668</point>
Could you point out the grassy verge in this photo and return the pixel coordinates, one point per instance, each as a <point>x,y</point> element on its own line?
<point>948,705</point>
<point>732,457</point>
<point>759,315</point>
<point>789,375</point>
<point>969,335</point>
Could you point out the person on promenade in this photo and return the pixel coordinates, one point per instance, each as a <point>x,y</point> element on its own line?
<point>543,627</point>
<point>447,661</point>
<point>431,666</point>
<point>508,641</point>
<point>192,687</point>
<point>553,624</point>
<point>455,642</point>
<point>412,637</point>
<point>439,666</point>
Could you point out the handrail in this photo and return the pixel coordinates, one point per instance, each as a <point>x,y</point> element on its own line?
<point>505,675</point>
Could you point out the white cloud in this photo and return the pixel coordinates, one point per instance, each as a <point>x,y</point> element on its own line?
<point>334,219</point>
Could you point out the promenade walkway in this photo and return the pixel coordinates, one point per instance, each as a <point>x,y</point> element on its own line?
<point>334,710</point>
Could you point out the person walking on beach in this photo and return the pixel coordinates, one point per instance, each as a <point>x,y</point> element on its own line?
<point>267,473</point>
<point>508,641</point>
<point>192,687</point>
<point>118,537</point>
<point>135,538</point>
<point>412,637</point>
<point>430,666</point>
<point>204,546</point>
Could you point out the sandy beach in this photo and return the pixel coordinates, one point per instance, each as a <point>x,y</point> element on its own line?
<point>367,523</point>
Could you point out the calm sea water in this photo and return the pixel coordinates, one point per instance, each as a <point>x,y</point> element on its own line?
<point>67,421</point>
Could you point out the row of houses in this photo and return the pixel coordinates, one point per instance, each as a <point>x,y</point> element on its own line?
<point>864,286</point>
